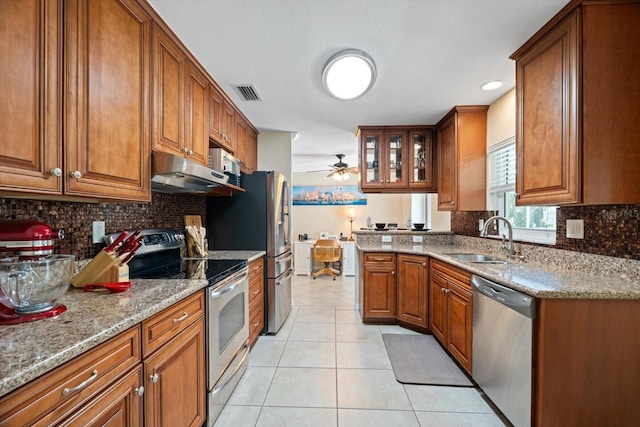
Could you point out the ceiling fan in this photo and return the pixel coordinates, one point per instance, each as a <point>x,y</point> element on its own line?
<point>340,171</point>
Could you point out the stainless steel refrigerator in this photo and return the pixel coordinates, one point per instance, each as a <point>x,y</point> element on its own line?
<point>258,219</point>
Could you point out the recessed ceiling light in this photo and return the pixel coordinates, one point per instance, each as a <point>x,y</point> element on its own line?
<point>349,74</point>
<point>494,84</point>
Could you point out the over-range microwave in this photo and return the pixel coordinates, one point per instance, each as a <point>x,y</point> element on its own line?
<point>222,161</point>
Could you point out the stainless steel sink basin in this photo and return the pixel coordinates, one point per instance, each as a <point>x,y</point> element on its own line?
<point>477,258</point>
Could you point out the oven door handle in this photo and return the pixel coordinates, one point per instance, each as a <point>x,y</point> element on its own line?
<point>228,287</point>
<point>233,374</point>
<point>286,277</point>
<point>287,259</point>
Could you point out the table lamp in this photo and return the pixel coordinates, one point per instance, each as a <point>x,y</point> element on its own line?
<point>350,218</point>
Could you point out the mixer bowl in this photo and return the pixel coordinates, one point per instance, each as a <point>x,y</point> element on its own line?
<point>31,286</point>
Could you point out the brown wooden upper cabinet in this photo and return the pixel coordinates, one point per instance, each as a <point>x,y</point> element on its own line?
<point>221,120</point>
<point>106,99</point>
<point>396,159</point>
<point>462,148</point>
<point>31,42</point>
<point>180,101</point>
<point>577,126</point>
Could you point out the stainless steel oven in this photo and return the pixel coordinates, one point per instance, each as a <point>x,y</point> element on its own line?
<point>228,338</point>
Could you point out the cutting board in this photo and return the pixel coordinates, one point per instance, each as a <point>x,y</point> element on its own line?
<point>194,220</point>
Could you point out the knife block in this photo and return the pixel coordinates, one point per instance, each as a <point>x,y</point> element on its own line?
<point>103,268</point>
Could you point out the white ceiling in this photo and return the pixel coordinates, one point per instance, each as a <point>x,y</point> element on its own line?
<point>430,56</point>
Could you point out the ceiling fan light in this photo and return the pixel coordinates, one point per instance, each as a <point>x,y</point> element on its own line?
<point>349,74</point>
<point>341,176</point>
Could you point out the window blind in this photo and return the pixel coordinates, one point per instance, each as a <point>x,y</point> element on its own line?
<point>502,169</point>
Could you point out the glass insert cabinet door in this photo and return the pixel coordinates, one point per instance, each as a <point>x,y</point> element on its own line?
<point>383,154</point>
<point>372,158</point>
<point>395,158</point>
<point>421,159</point>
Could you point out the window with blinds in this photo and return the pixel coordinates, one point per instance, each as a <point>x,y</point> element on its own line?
<point>502,168</point>
<point>530,223</point>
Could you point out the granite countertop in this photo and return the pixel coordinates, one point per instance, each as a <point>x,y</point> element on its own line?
<point>535,279</point>
<point>31,349</point>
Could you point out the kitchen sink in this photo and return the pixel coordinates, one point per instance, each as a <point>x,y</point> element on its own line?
<point>477,258</point>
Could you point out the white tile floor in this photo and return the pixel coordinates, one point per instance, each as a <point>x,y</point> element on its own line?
<point>325,368</point>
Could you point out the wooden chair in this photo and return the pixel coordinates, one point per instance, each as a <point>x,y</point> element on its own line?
<point>327,251</point>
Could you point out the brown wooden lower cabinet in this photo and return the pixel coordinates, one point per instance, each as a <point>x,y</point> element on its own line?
<point>176,390</point>
<point>412,286</point>
<point>379,287</point>
<point>118,405</point>
<point>108,385</point>
<point>256,299</point>
<point>44,401</point>
<point>586,363</point>
<point>451,310</point>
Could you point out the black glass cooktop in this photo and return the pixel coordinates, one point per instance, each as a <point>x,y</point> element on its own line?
<point>168,265</point>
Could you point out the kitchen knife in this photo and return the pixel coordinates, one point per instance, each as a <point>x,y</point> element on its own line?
<point>116,242</point>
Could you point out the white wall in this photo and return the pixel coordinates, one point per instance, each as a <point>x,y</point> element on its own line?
<point>440,220</point>
<point>274,151</point>
<point>501,119</point>
<point>314,219</point>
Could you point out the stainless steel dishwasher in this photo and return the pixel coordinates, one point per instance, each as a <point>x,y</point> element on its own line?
<point>502,347</point>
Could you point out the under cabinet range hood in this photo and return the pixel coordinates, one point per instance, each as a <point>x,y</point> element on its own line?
<point>176,174</point>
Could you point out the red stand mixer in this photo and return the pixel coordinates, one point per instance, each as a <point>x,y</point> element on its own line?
<point>31,277</point>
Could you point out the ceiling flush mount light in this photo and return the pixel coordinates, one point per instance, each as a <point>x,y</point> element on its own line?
<point>349,74</point>
<point>494,84</point>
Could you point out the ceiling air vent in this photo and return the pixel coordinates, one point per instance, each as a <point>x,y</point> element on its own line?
<point>247,92</point>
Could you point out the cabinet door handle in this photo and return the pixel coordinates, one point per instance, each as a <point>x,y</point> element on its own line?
<point>393,273</point>
<point>181,318</point>
<point>154,378</point>
<point>76,174</point>
<point>256,324</point>
<point>56,172</point>
<point>139,391</point>
<point>424,264</point>
<point>83,384</point>
<point>256,292</point>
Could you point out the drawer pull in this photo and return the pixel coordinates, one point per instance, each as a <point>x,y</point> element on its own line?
<point>83,384</point>
<point>379,259</point>
<point>181,318</point>
<point>256,267</point>
<point>256,324</point>
<point>257,291</point>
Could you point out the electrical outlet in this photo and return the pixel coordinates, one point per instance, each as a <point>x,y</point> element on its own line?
<point>417,239</point>
<point>575,229</point>
<point>386,239</point>
<point>98,231</point>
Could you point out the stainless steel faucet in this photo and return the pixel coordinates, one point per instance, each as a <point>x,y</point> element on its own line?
<point>509,250</point>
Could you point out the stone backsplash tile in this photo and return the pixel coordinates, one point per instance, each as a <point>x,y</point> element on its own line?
<point>76,218</point>
<point>609,230</point>
<point>466,223</point>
